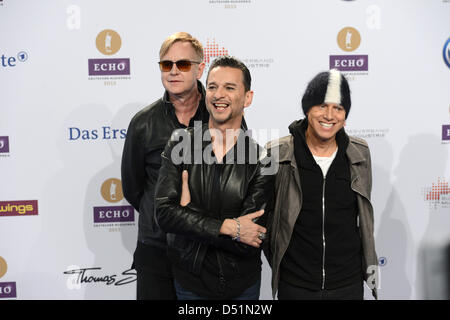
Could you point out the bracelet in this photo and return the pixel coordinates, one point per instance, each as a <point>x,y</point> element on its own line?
<point>238,232</point>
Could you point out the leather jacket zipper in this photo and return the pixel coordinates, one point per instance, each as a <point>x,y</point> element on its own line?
<point>218,170</point>
<point>222,280</point>
<point>196,256</point>
<point>323,233</point>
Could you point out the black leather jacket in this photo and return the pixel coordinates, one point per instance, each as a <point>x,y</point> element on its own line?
<point>218,191</point>
<point>147,135</point>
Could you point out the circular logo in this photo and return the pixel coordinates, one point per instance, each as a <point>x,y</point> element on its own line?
<point>446,52</point>
<point>108,42</point>
<point>22,56</point>
<point>349,39</point>
<point>382,261</point>
<point>3,267</point>
<point>112,190</point>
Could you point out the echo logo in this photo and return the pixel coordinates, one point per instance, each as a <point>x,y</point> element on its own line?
<point>7,289</point>
<point>104,67</point>
<point>4,144</point>
<point>446,132</point>
<point>113,214</point>
<point>111,191</point>
<point>349,62</point>
<point>349,39</point>
<point>108,42</point>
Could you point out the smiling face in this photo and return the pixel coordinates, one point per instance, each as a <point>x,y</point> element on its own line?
<point>226,97</point>
<point>325,120</point>
<point>175,81</point>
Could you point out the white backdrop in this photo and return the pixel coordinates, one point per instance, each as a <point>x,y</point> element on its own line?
<point>57,144</point>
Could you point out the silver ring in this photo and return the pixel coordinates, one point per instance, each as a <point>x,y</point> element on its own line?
<point>261,236</point>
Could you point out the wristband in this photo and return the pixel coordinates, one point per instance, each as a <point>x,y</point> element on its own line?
<point>238,232</point>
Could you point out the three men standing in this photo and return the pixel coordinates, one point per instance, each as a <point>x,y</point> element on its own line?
<point>320,221</point>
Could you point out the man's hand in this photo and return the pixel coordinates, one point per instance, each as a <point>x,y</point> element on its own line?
<point>250,232</point>
<point>185,193</point>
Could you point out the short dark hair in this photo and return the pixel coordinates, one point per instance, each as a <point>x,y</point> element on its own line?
<point>232,62</point>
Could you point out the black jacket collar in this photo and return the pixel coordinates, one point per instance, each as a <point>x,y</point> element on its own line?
<point>305,158</point>
<point>298,130</point>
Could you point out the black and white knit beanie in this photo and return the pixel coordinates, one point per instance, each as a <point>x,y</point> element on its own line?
<point>327,87</point>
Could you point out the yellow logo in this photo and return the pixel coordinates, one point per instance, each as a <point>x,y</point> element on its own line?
<point>108,42</point>
<point>15,208</point>
<point>3,267</point>
<point>111,190</point>
<point>349,39</point>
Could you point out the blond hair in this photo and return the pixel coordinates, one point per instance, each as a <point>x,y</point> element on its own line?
<point>183,37</point>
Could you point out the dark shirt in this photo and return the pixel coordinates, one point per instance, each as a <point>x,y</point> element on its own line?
<point>307,256</point>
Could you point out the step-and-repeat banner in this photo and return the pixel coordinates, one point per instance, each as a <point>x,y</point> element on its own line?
<point>73,73</point>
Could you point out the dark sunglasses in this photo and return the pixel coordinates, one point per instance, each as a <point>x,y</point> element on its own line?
<point>182,65</point>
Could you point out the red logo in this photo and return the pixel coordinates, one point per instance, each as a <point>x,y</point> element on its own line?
<point>437,192</point>
<point>211,50</point>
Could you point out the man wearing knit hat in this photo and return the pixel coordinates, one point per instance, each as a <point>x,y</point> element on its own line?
<point>321,225</point>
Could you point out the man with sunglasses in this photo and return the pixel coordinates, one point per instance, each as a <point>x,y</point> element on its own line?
<point>181,65</point>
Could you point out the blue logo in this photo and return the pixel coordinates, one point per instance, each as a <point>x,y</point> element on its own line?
<point>382,261</point>
<point>446,52</point>
<point>22,56</point>
<point>105,133</point>
<point>6,61</point>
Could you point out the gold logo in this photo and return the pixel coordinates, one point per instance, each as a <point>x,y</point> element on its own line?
<point>108,42</point>
<point>3,267</point>
<point>112,190</point>
<point>349,39</point>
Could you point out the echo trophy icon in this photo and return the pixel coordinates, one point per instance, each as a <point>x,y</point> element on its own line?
<point>111,190</point>
<point>349,39</point>
<point>3,267</point>
<point>108,42</point>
